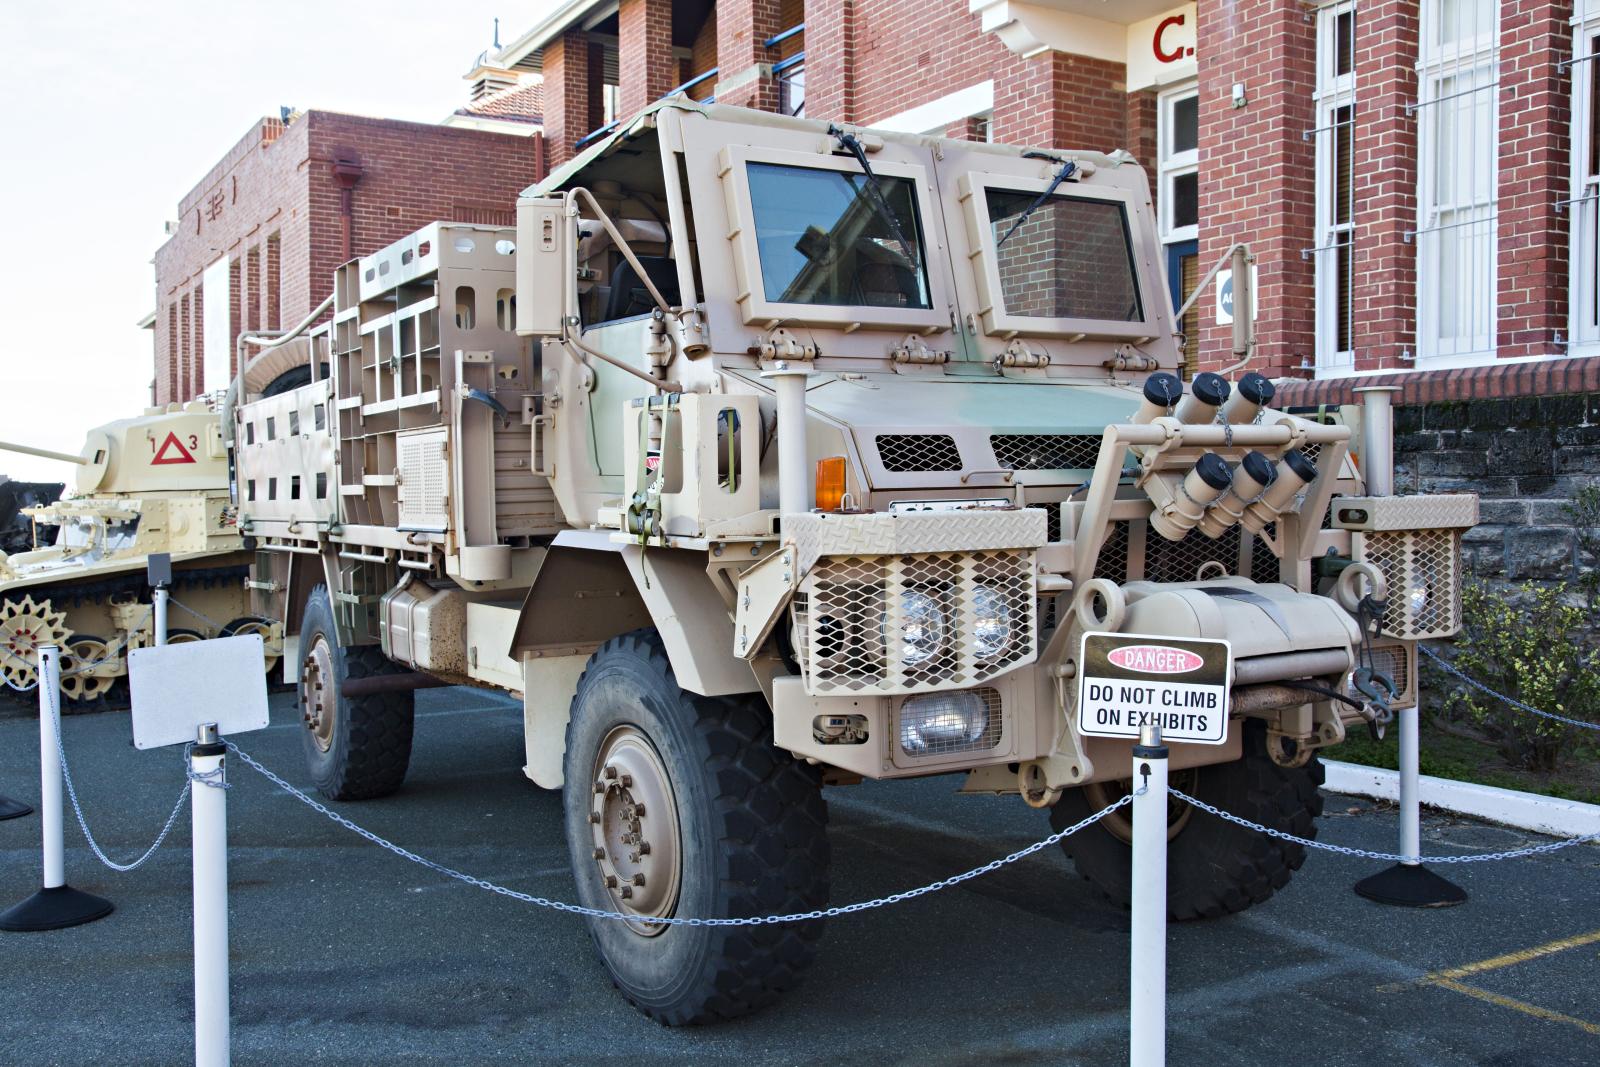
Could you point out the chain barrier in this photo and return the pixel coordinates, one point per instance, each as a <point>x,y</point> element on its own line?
<point>1392,857</point>
<point>1452,669</point>
<point>77,808</point>
<point>208,620</point>
<point>598,913</point>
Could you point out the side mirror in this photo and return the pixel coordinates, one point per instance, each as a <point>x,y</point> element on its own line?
<point>547,265</point>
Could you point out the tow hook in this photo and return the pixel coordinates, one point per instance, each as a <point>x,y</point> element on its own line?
<point>1377,690</point>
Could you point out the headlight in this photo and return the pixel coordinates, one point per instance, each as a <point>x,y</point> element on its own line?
<point>1425,579</point>
<point>942,722</point>
<point>991,631</point>
<point>922,627</point>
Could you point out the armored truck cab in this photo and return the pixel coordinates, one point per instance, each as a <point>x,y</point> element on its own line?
<point>764,455</point>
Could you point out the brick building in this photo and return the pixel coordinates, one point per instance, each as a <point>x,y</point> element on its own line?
<point>256,241</point>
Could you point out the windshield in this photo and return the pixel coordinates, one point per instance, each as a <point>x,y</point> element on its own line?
<point>1071,259</point>
<point>822,240</point>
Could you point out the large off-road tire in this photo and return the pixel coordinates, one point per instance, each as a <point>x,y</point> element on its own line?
<point>1213,867</point>
<point>734,826</point>
<point>356,748</point>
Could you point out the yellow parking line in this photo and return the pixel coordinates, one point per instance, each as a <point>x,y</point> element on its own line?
<point>1520,956</point>
<point>1549,948</point>
<point>1516,1005</point>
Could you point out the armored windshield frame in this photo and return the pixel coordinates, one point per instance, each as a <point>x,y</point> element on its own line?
<point>756,309</point>
<point>997,320</point>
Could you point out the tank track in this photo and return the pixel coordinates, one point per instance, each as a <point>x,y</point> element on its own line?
<point>76,594</point>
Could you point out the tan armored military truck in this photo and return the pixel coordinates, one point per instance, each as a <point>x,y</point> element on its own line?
<point>763,457</point>
<point>157,482</point>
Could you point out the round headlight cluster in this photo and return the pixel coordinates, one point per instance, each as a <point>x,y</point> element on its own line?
<point>992,621</point>
<point>925,627</point>
<point>922,627</point>
<point>1425,578</point>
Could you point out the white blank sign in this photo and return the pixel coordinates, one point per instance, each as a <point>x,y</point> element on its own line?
<point>176,688</point>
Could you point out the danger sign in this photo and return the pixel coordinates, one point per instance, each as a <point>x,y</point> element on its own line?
<point>1127,681</point>
<point>172,451</point>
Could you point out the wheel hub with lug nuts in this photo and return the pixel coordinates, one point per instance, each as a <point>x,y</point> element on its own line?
<point>1119,823</point>
<point>316,701</point>
<point>633,820</point>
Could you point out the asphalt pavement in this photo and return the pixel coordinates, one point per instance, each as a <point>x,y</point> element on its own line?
<point>345,954</point>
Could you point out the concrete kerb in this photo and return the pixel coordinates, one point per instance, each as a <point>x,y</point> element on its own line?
<point>1508,807</point>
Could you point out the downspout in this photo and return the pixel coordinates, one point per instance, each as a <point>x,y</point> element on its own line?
<point>347,171</point>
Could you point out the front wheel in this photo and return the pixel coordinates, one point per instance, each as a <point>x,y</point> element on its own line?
<point>357,747</point>
<point>1213,868</point>
<point>680,805</point>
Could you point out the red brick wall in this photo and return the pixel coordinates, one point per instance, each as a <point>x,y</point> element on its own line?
<point>646,69</point>
<point>1256,170</point>
<point>1385,296</point>
<point>742,27</point>
<point>566,95</point>
<point>1535,120</point>
<point>276,202</point>
<point>1056,100</point>
<point>831,48</point>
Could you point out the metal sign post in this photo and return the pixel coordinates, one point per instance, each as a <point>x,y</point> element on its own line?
<point>193,692</point>
<point>209,821</point>
<point>159,572</point>
<point>56,905</point>
<point>1147,995</point>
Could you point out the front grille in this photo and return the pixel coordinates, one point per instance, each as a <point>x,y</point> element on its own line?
<point>848,620</point>
<point>1264,567</point>
<point>1180,561</point>
<point>1046,451</point>
<point>1113,561</point>
<point>1423,571</point>
<point>903,453</point>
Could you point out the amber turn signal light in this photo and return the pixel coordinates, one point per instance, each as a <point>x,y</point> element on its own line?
<point>830,483</point>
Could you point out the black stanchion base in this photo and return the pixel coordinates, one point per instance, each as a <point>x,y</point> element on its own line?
<point>13,809</point>
<point>1411,886</point>
<point>55,909</point>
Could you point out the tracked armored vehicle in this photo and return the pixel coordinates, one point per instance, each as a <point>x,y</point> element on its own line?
<point>153,483</point>
<point>763,457</point>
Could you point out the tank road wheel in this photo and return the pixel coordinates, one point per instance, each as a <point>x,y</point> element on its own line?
<point>678,804</point>
<point>1213,868</point>
<point>25,627</point>
<point>254,624</point>
<point>357,747</point>
<point>82,686</point>
<point>179,635</point>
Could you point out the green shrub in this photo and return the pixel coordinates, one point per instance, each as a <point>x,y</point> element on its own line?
<point>1532,645</point>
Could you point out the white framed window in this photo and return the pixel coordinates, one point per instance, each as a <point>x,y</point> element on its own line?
<point>1334,252</point>
<point>1178,163</point>
<point>1583,303</point>
<point>1457,171</point>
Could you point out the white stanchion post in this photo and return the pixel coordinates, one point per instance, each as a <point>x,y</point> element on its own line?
<point>56,904</point>
<point>1409,883</point>
<point>158,601</point>
<point>50,817</point>
<point>1147,1015</point>
<point>209,815</point>
<point>1410,784</point>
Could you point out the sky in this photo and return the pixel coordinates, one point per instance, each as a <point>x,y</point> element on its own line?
<point>110,112</point>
